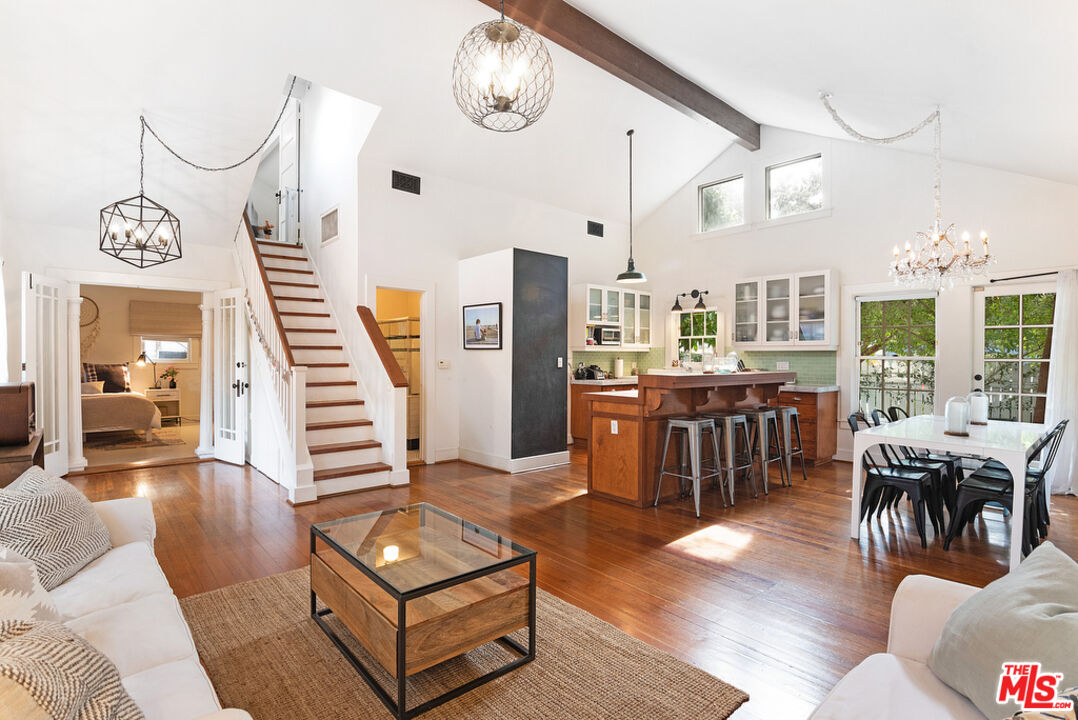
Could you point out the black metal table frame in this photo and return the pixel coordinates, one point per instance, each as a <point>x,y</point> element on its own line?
<point>399,707</point>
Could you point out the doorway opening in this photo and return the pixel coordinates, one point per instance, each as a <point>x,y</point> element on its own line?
<point>398,313</point>
<point>141,392</point>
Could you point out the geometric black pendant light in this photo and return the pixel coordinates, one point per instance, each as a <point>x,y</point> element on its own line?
<point>138,230</point>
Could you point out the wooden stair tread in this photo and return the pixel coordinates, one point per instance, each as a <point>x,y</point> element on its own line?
<point>270,243</point>
<point>282,257</point>
<point>333,403</point>
<point>295,271</point>
<point>325,365</point>
<point>308,330</point>
<point>343,447</point>
<point>331,383</point>
<point>284,283</point>
<point>317,347</point>
<point>337,424</point>
<point>294,313</point>
<point>363,469</point>
<point>297,299</point>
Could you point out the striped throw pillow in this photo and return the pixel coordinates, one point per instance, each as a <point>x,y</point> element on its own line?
<point>46,667</point>
<point>46,520</point>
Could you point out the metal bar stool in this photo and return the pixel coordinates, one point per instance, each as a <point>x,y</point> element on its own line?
<point>791,429</point>
<point>728,424</point>
<point>692,435</point>
<point>764,429</point>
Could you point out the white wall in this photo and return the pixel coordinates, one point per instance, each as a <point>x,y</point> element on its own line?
<point>878,197</point>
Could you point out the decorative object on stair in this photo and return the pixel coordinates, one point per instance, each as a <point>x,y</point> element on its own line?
<point>502,75</point>
<point>631,274</point>
<point>937,261</point>
<point>143,232</point>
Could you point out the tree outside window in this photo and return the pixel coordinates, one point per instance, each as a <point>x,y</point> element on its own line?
<point>1017,354</point>
<point>795,187</point>
<point>897,355</point>
<point>698,333</point>
<point>722,204</point>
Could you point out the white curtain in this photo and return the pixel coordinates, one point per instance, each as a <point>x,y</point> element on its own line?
<point>3,326</point>
<point>1063,382</point>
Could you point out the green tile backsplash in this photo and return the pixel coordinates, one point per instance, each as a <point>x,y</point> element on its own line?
<point>653,358</point>
<point>813,367</point>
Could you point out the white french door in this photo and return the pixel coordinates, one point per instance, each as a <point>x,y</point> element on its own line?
<point>288,179</point>
<point>230,377</point>
<point>44,362</point>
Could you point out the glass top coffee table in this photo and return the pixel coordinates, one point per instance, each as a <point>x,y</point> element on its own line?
<point>416,586</point>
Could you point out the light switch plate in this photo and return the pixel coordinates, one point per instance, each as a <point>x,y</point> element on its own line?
<point>613,427</point>
<point>443,364</point>
<point>782,365</point>
<point>561,362</point>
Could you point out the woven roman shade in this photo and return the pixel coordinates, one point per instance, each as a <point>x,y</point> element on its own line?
<point>164,319</point>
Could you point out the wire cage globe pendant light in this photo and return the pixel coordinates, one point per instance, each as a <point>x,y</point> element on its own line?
<point>502,75</point>
<point>631,274</point>
<point>138,230</point>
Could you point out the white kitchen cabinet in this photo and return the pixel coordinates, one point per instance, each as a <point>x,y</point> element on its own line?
<point>786,311</point>
<point>636,319</point>
<point>604,308</point>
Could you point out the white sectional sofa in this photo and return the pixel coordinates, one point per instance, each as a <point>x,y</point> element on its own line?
<point>898,683</point>
<point>123,605</point>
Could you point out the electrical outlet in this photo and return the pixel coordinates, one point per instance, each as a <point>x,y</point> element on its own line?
<point>561,362</point>
<point>613,427</point>
<point>782,365</point>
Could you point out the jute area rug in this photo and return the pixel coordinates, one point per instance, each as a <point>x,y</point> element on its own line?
<point>265,655</point>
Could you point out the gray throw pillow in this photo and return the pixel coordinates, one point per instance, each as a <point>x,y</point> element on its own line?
<point>48,521</point>
<point>1028,615</point>
<point>22,596</point>
<point>48,670</point>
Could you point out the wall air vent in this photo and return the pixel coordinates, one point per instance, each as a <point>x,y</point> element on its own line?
<point>405,182</point>
<point>595,228</point>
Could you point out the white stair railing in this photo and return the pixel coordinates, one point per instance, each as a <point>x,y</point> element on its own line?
<point>289,380</point>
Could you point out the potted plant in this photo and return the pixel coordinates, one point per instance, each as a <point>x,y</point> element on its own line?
<point>170,375</point>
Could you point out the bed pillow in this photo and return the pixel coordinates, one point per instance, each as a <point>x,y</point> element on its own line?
<point>116,376</point>
<point>49,522</point>
<point>1028,615</point>
<point>93,388</point>
<point>47,670</point>
<point>22,596</point>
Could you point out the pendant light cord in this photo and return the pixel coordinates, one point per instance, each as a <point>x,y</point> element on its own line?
<point>144,126</point>
<point>630,134</point>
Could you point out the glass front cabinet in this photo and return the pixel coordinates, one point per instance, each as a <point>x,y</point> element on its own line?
<point>786,311</point>
<point>597,307</point>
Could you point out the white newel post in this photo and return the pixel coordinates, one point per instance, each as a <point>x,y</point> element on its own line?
<point>205,410</point>
<point>304,491</point>
<point>75,461</point>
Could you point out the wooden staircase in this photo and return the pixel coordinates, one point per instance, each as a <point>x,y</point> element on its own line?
<point>339,433</point>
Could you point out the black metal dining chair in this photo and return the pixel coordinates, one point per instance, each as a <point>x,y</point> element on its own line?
<point>883,480</point>
<point>942,472</point>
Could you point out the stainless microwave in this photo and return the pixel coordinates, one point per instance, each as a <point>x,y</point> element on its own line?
<point>610,336</point>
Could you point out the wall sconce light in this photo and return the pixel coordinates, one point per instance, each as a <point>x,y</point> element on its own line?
<point>698,294</point>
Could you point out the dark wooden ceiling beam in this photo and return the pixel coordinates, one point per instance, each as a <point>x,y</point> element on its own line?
<point>573,30</point>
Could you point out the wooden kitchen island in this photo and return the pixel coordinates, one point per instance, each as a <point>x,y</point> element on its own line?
<point>628,426</point>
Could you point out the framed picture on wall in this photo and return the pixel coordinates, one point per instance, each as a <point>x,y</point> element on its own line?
<point>483,326</point>
<point>330,229</point>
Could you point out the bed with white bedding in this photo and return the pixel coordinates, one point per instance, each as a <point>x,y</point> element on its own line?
<point>104,412</point>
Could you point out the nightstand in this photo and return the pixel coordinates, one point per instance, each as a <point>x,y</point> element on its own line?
<point>167,401</point>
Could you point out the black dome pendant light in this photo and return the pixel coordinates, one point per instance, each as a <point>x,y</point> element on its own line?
<point>631,274</point>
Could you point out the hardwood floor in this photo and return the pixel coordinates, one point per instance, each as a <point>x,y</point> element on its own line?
<point>770,595</point>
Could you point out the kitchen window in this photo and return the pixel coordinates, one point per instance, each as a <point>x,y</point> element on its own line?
<point>722,204</point>
<point>1015,347</point>
<point>896,355</point>
<point>794,187</point>
<point>698,333</point>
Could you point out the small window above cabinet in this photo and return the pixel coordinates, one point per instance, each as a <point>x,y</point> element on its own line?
<point>799,310</point>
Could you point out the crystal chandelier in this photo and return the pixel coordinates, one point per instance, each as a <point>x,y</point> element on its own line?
<point>938,257</point>
<point>502,75</point>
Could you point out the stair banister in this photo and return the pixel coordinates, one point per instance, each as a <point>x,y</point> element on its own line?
<point>382,376</point>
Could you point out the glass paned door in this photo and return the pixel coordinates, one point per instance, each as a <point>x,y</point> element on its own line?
<point>613,306</point>
<point>595,305</point>
<point>644,329</point>
<point>44,357</point>
<point>812,308</point>
<point>230,377</point>
<point>777,309</point>
<point>746,312</point>
<point>628,327</point>
<point>1014,358</point>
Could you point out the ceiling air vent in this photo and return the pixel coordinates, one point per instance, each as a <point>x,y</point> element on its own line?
<point>595,228</point>
<point>405,182</point>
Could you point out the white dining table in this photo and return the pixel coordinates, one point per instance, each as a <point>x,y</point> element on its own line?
<point>1007,442</point>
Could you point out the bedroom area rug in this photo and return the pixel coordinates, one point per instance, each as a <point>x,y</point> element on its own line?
<point>265,655</point>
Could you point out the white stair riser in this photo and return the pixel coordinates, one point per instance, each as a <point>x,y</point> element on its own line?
<point>300,306</point>
<point>328,461</point>
<point>339,435</point>
<point>282,249</point>
<point>272,263</point>
<point>301,321</point>
<point>304,357</point>
<point>333,392</point>
<point>336,412</point>
<point>289,291</point>
<point>298,337</point>
<point>328,374</point>
<point>276,276</point>
<point>354,482</point>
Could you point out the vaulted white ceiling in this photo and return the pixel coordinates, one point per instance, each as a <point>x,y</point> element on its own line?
<point>1003,72</point>
<point>209,76</point>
